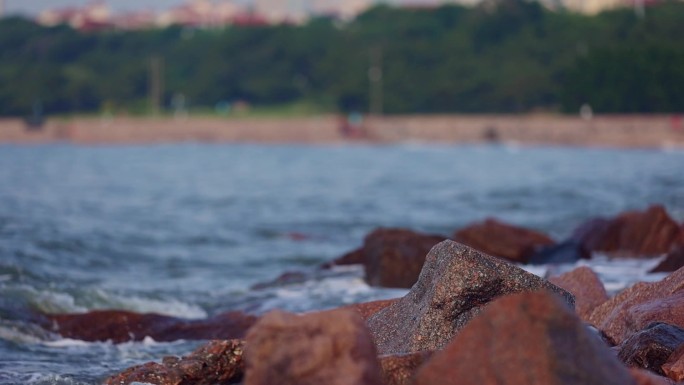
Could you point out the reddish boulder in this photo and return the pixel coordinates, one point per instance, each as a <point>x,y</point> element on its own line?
<point>367,309</point>
<point>454,286</point>
<point>502,240</point>
<point>400,369</point>
<point>218,362</point>
<point>644,377</point>
<point>392,257</point>
<point>640,305</point>
<point>587,288</point>
<point>122,326</point>
<point>674,260</point>
<point>286,278</point>
<point>632,233</point>
<point>651,347</point>
<point>525,338</point>
<point>331,348</point>
<point>354,257</point>
<point>674,367</point>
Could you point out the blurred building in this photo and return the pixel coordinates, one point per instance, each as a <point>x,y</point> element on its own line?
<point>93,16</point>
<point>592,7</point>
<point>217,13</point>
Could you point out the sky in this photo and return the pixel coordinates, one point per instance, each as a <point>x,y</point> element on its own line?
<point>33,7</point>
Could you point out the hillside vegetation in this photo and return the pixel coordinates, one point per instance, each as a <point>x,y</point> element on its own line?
<point>505,56</point>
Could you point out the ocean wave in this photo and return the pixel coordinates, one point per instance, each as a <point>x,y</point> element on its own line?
<point>53,301</point>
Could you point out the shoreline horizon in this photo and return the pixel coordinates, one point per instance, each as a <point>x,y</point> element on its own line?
<point>609,131</point>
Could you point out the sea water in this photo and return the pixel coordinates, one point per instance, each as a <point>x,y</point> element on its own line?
<point>188,229</point>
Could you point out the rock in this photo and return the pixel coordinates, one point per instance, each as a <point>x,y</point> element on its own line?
<point>354,257</point>
<point>525,338</point>
<point>644,377</point>
<point>218,362</point>
<point>367,309</point>
<point>392,257</point>
<point>587,288</point>
<point>286,278</point>
<point>674,367</point>
<point>640,305</point>
<point>400,369</point>
<point>651,347</point>
<point>564,252</point>
<point>502,240</point>
<point>122,326</point>
<point>332,348</point>
<point>632,233</point>
<point>674,260</point>
<point>455,284</point>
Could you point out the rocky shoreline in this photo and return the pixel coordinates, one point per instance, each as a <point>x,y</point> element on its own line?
<point>619,131</point>
<point>472,316</point>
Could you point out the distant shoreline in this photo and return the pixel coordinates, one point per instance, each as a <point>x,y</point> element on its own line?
<point>616,131</point>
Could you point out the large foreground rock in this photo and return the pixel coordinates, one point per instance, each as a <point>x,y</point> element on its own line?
<point>632,233</point>
<point>635,308</point>
<point>651,347</point>
<point>332,348</point>
<point>674,367</point>
<point>401,369</point>
<point>454,286</point>
<point>587,288</point>
<point>216,363</point>
<point>502,240</point>
<point>392,257</point>
<point>525,338</point>
<point>121,326</point>
<point>645,377</point>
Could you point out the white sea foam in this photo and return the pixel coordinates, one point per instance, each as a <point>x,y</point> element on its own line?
<point>18,334</point>
<point>50,379</point>
<point>66,343</point>
<point>104,300</point>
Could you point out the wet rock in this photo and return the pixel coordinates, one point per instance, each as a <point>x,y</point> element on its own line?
<point>587,288</point>
<point>286,278</point>
<point>632,233</point>
<point>400,369</point>
<point>354,257</point>
<point>640,305</point>
<point>644,377</point>
<point>525,338</point>
<point>674,367</point>
<point>331,348</point>
<point>367,309</point>
<point>454,286</point>
<point>122,326</point>
<point>392,257</point>
<point>216,363</point>
<point>651,347</point>
<point>502,240</point>
<point>564,252</point>
<point>674,260</point>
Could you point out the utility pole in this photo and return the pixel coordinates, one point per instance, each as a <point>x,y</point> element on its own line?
<point>156,83</point>
<point>375,82</point>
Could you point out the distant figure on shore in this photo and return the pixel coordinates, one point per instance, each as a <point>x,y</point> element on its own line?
<point>351,126</point>
<point>35,121</point>
<point>676,123</point>
<point>586,112</point>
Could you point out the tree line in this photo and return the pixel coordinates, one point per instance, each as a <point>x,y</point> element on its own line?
<point>503,56</point>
